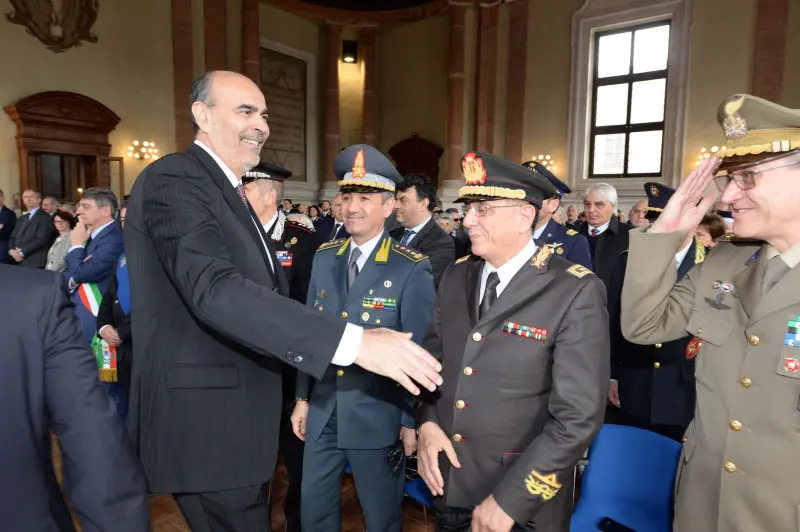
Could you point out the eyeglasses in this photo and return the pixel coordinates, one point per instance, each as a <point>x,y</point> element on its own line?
<point>745,179</point>
<point>482,209</point>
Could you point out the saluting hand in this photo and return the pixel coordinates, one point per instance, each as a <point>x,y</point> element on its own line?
<point>393,354</point>
<point>689,204</point>
<point>432,441</point>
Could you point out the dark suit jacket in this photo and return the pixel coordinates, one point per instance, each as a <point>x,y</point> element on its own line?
<point>612,242</point>
<point>210,330</point>
<point>102,253</point>
<point>463,245</point>
<point>524,406</point>
<point>433,242</point>
<point>34,236</point>
<point>370,408</point>
<point>8,219</point>
<point>338,235</point>
<point>324,225</point>
<point>656,382</point>
<point>48,381</point>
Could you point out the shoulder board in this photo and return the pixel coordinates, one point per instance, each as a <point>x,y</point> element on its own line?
<point>298,225</point>
<point>332,244</point>
<point>731,237</point>
<point>410,254</point>
<point>572,232</point>
<point>579,271</point>
<point>463,259</point>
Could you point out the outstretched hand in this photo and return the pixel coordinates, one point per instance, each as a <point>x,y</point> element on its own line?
<point>688,205</point>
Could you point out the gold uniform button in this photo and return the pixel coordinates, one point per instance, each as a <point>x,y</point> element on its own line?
<point>377,322</point>
<point>365,316</point>
<point>339,372</point>
<point>457,437</point>
<point>684,439</point>
<point>344,315</point>
<point>460,404</point>
<point>699,330</point>
<point>730,467</point>
<point>659,346</point>
<point>656,365</point>
<point>468,371</point>
<point>477,336</point>
<point>753,340</point>
<point>736,425</point>
<point>319,309</point>
<point>745,382</point>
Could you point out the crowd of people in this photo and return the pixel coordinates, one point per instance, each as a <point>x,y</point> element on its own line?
<point>492,340</point>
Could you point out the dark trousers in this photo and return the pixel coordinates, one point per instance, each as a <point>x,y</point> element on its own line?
<point>242,509</point>
<point>380,491</point>
<point>119,396</point>
<point>291,449</point>
<point>460,520</point>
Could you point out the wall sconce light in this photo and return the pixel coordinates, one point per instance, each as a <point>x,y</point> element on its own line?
<point>143,150</point>
<point>547,161</point>
<point>350,51</point>
<point>706,154</point>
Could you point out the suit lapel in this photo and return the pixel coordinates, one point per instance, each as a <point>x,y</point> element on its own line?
<point>340,267</point>
<point>472,292</point>
<point>784,294</point>
<point>750,280</point>
<point>688,261</point>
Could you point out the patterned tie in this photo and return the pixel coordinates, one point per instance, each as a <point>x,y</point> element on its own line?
<point>407,234</point>
<point>594,233</point>
<point>352,267</point>
<point>490,295</point>
<point>773,272</point>
<point>240,190</point>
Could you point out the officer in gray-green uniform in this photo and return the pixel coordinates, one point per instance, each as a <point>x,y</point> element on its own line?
<point>351,416</point>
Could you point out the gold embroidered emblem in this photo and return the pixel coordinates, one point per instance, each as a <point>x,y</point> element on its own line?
<point>579,271</point>
<point>463,259</point>
<point>541,258</point>
<point>572,232</point>
<point>359,171</point>
<point>733,123</point>
<point>382,256</point>
<point>654,190</point>
<point>473,170</point>
<point>545,486</point>
<point>343,248</point>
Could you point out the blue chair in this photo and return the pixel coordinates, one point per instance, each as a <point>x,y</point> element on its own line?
<point>630,478</point>
<point>418,491</point>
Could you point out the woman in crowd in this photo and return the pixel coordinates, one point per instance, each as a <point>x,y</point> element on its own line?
<point>64,223</point>
<point>711,227</point>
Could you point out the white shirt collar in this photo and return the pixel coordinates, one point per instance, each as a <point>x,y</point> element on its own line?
<point>680,255</point>
<point>227,171</point>
<point>600,229</point>
<point>507,271</point>
<point>418,228</point>
<point>538,233</point>
<point>271,221</point>
<point>97,231</point>
<point>366,249</point>
<point>32,212</point>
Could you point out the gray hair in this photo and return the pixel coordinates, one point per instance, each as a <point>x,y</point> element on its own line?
<point>605,190</point>
<point>103,197</point>
<point>446,216</point>
<point>201,92</point>
<point>265,185</point>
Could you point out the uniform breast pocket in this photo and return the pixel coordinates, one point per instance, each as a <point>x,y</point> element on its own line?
<point>709,328</point>
<point>378,318</point>
<point>786,390</point>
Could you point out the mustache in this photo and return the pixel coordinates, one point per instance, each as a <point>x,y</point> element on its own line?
<point>258,137</point>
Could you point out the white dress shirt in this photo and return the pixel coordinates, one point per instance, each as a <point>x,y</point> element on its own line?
<point>599,230</point>
<point>680,255</point>
<point>507,271</point>
<point>351,339</point>
<point>415,230</point>
<point>366,250</point>
<point>538,233</point>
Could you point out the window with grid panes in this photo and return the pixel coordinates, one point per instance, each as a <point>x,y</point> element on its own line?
<point>629,89</point>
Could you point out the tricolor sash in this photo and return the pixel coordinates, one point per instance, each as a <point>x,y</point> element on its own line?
<point>105,354</point>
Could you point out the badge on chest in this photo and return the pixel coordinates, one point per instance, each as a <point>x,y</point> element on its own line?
<point>284,258</point>
<point>525,331</point>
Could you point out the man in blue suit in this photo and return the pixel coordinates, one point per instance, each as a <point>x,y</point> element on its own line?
<point>97,243</point>
<point>350,415</point>
<point>565,242</point>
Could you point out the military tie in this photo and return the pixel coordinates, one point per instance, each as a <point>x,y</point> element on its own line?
<point>407,234</point>
<point>352,267</point>
<point>240,190</point>
<point>775,269</point>
<point>490,294</point>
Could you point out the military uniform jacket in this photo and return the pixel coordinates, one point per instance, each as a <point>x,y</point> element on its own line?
<point>295,245</point>
<point>738,471</point>
<point>568,243</point>
<point>393,290</point>
<point>524,387</point>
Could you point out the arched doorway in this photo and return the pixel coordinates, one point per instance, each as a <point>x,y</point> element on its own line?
<point>62,144</point>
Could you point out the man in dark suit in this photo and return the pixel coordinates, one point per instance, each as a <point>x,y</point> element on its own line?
<point>653,385</point>
<point>213,322</point>
<point>416,198</point>
<point>459,235</point>
<point>523,396</point>
<point>606,235</point>
<point>7,222</point>
<point>326,222</point>
<point>339,231</point>
<point>564,241</point>
<point>352,416</point>
<point>48,381</point>
<point>33,234</point>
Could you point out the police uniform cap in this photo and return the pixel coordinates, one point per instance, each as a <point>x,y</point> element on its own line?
<point>362,168</point>
<point>489,178</point>
<point>657,197</point>
<point>264,170</point>
<point>536,166</point>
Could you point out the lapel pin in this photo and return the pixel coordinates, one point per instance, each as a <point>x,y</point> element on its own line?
<point>723,289</point>
<point>387,284</point>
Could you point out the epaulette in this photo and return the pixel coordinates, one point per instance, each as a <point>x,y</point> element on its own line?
<point>571,232</point>
<point>579,271</point>
<point>332,244</point>
<point>731,237</point>
<point>463,259</point>
<point>410,254</point>
<point>298,225</point>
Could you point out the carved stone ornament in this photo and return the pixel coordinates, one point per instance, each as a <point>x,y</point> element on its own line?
<point>58,24</point>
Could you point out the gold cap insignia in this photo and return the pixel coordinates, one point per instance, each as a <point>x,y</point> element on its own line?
<point>472,167</point>
<point>733,123</point>
<point>654,190</point>
<point>359,171</point>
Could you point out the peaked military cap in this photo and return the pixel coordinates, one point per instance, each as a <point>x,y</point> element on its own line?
<point>542,170</point>
<point>362,168</point>
<point>657,197</point>
<point>489,177</point>
<point>266,171</point>
<point>756,129</point>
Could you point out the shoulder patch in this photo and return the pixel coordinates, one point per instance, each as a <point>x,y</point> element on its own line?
<point>572,232</point>
<point>463,259</point>
<point>410,254</point>
<point>332,244</point>
<point>298,225</point>
<point>579,271</point>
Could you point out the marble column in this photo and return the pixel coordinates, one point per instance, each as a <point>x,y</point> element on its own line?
<point>487,77</point>
<point>770,56</point>
<point>251,63</point>
<point>369,128</point>
<point>333,146</point>
<point>517,68</point>
<point>182,71</point>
